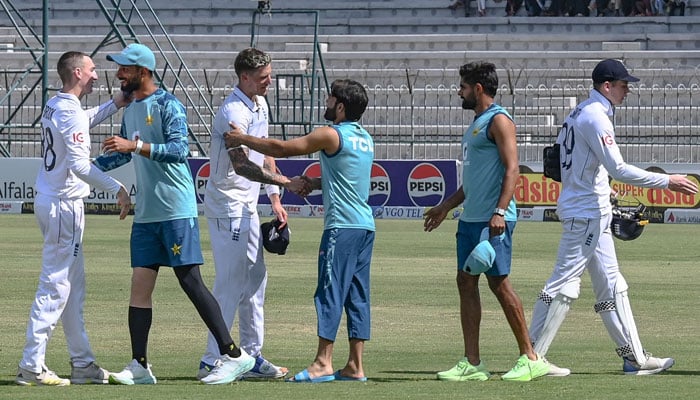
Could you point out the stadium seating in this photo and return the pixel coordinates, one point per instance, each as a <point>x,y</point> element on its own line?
<point>408,52</point>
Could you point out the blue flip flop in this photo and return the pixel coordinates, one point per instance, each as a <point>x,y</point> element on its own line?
<point>338,377</point>
<point>303,377</point>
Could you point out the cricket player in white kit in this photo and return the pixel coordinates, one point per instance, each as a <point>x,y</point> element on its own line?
<point>63,181</point>
<point>588,155</point>
<point>230,204</point>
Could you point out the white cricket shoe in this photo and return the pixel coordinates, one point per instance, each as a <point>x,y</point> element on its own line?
<point>92,373</point>
<point>205,369</point>
<point>133,374</point>
<point>46,377</point>
<point>653,365</point>
<point>264,369</point>
<point>230,369</point>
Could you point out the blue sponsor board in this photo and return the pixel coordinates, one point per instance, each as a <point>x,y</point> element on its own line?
<point>402,183</point>
<point>399,189</point>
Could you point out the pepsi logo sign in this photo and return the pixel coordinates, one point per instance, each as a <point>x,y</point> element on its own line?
<point>380,186</point>
<point>201,179</point>
<point>426,185</point>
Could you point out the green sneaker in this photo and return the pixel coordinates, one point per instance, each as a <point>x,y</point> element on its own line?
<point>464,371</point>
<point>526,370</point>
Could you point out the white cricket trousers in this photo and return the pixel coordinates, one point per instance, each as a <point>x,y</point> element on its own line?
<point>61,291</point>
<point>240,282</point>
<point>586,244</point>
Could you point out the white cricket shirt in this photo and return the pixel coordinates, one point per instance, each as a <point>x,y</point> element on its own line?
<point>228,194</point>
<point>66,171</point>
<point>588,155</point>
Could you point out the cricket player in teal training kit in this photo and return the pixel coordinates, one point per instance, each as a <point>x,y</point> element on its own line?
<point>165,230</point>
<point>346,153</point>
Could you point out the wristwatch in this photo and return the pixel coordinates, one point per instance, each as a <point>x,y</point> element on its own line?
<point>500,211</point>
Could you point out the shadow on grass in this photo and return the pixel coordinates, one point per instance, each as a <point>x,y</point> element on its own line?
<point>430,375</point>
<point>418,376</point>
<point>680,372</point>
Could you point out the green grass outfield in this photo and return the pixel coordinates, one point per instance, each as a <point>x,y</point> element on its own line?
<point>415,318</point>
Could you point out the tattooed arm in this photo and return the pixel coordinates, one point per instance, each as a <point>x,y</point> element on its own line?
<point>266,174</point>
<point>248,169</point>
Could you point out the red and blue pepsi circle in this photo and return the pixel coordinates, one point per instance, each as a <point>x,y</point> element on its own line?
<point>201,179</point>
<point>426,185</point>
<point>380,186</point>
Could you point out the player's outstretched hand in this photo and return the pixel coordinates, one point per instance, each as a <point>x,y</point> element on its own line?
<point>680,183</point>
<point>232,137</point>
<point>124,202</point>
<point>299,185</point>
<point>434,217</point>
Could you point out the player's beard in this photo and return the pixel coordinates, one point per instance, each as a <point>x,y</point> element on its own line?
<point>130,85</point>
<point>469,103</point>
<point>330,114</point>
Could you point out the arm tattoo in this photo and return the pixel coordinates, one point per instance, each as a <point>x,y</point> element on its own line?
<point>251,171</point>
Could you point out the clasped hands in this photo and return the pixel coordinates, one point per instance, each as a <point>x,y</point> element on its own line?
<point>301,185</point>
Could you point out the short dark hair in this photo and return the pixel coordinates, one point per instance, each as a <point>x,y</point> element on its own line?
<point>250,59</point>
<point>67,63</point>
<point>353,96</point>
<point>481,72</point>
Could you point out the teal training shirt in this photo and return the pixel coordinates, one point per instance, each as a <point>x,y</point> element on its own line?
<point>164,182</point>
<point>345,179</point>
<point>482,170</point>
